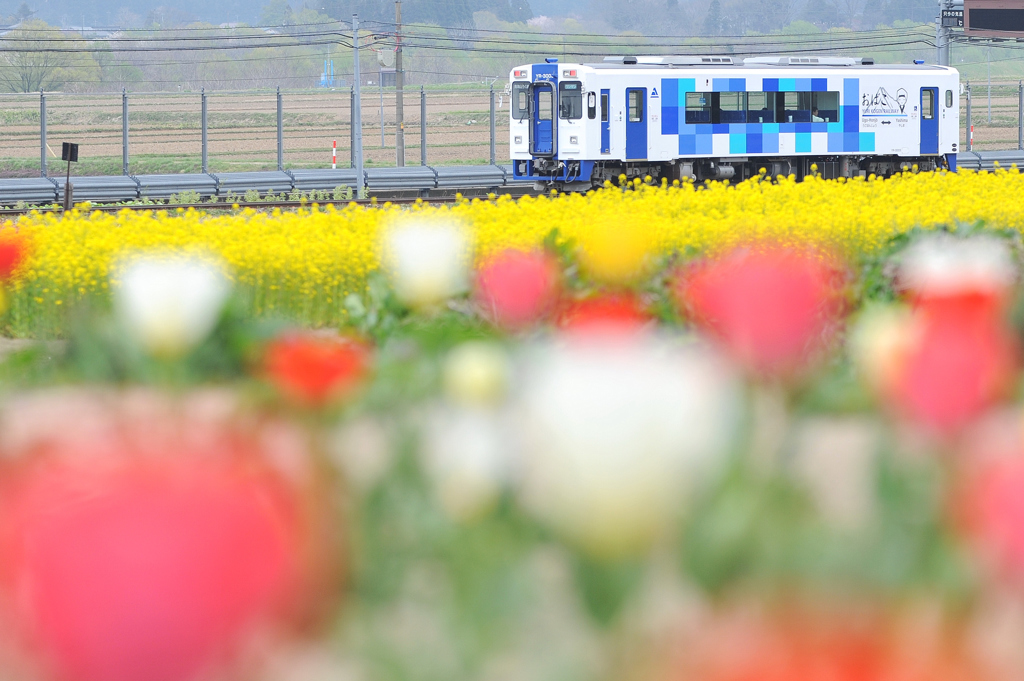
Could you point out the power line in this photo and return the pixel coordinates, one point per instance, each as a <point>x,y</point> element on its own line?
<point>898,31</point>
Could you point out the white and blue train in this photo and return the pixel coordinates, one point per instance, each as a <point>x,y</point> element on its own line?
<point>574,126</point>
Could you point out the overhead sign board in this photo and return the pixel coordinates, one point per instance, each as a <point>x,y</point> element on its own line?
<point>993,18</point>
<point>953,18</point>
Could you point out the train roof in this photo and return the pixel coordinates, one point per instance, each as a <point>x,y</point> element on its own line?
<point>767,62</point>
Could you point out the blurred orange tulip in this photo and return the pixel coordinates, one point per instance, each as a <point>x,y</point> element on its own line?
<point>314,368</point>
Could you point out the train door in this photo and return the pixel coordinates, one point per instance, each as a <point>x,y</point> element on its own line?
<point>929,120</point>
<point>606,127</point>
<point>636,124</point>
<point>542,139</point>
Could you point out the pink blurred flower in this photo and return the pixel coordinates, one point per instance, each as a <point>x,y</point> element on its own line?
<point>771,307</point>
<point>517,288</point>
<point>992,509</point>
<point>961,361</point>
<point>954,355</point>
<point>155,551</point>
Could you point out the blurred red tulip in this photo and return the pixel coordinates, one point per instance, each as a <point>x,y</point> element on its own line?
<point>314,368</point>
<point>155,550</point>
<point>13,251</point>
<point>516,288</point>
<point>772,308</point>
<point>608,312</point>
<point>961,360</point>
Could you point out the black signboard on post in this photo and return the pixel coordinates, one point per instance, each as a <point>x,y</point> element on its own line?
<point>69,153</point>
<point>953,18</point>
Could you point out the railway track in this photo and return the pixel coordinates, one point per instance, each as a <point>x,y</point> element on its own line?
<point>398,198</point>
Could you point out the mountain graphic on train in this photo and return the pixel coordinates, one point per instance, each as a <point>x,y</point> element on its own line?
<point>574,126</point>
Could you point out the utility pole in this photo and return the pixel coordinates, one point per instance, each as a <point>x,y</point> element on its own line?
<point>944,30</point>
<point>399,84</point>
<point>357,113</point>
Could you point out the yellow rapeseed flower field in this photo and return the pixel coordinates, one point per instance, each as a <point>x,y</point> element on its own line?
<point>302,264</point>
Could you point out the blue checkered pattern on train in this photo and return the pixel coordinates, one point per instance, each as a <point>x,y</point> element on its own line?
<point>763,138</point>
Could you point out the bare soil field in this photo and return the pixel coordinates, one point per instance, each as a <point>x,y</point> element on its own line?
<point>165,130</point>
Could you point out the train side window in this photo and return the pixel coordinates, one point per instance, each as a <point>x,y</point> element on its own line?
<point>949,99</point>
<point>604,107</point>
<point>796,107</point>
<point>544,104</point>
<point>698,107</point>
<point>592,105</point>
<point>570,100</point>
<point>827,106</point>
<point>636,106</point>
<point>760,107</point>
<point>927,104</point>
<point>732,107</point>
<point>520,101</point>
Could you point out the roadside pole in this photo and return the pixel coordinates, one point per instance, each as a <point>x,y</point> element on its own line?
<point>357,113</point>
<point>42,134</point>
<point>423,126</point>
<point>280,131</point>
<point>970,121</point>
<point>399,85</point>
<point>206,155</point>
<point>124,131</point>
<point>492,126</point>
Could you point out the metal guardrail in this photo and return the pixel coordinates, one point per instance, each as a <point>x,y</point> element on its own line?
<point>116,188</point>
<point>987,160</point>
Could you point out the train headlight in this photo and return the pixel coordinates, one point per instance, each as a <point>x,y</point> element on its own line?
<point>574,140</point>
<point>519,139</point>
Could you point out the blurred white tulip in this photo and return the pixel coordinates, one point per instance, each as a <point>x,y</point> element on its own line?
<point>614,433</point>
<point>168,303</point>
<point>427,261</point>
<point>476,373</point>
<point>941,263</point>
<point>466,457</point>
<point>363,449</point>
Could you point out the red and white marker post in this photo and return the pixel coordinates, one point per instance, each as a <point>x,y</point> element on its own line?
<point>334,156</point>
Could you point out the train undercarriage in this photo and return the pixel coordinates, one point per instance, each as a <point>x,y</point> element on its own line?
<point>572,175</point>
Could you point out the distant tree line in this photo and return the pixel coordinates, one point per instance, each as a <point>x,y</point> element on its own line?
<point>456,13</point>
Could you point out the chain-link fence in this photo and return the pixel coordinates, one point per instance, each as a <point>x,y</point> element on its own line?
<point>165,130</point>
<point>996,114</point>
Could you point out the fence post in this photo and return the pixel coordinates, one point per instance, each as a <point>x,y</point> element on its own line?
<point>492,125</point>
<point>352,127</point>
<point>970,122</point>
<point>42,134</point>
<point>280,131</point>
<point>423,126</point>
<point>124,131</point>
<point>1020,114</point>
<point>206,165</point>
